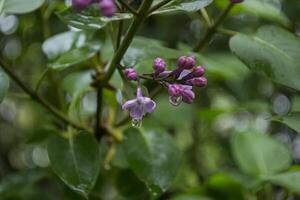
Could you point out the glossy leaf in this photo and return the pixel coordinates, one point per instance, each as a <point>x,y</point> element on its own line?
<point>184,5</point>
<point>4,85</point>
<point>76,161</point>
<point>75,56</point>
<point>291,120</point>
<point>153,157</point>
<point>258,154</point>
<point>61,43</point>
<point>273,52</point>
<point>19,6</point>
<point>288,180</point>
<point>264,9</point>
<point>85,20</point>
<point>144,48</point>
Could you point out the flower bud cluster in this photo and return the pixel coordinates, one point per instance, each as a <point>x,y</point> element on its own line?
<point>108,7</point>
<point>179,82</point>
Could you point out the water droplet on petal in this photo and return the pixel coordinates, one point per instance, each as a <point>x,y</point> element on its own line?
<point>175,100</point>
<point>137,123</point>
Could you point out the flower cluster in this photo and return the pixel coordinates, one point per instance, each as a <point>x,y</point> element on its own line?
<point>179,83</point>
<point>107,7</point>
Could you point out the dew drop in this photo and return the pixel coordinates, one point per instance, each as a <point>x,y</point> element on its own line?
<point>137,123</point>
<point>175,101</point>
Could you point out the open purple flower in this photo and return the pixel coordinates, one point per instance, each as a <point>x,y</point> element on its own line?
<point>139,106</point>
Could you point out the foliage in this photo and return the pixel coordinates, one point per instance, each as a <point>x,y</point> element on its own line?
<point>211,89</point>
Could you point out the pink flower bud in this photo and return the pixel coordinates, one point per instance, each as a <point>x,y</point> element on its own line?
<point>107,7</point>
<point>131,74</point>
<point>159,65</point>
<point>198,71</point>
<point>199,82</point>
<point>186,62</point>
<point>80,5</point>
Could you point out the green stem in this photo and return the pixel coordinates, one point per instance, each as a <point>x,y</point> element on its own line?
<point>98,133</point>
<point>39,99</point>
<point>137,21</point>
<point>227,31</point>
<point>211,30</point>
<point>128,7</point>
<point>159,5</point>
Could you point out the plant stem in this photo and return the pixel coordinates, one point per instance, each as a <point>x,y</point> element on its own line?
<point>98,134</point>
<point>227,31</point>
<point>159,5</point>
<point>128,7</point>
<point>206,17</point>
<point>137,21</point>
<point>40,100</point>
<point>211,30</point>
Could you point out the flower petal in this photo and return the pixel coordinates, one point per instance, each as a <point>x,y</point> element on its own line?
<point>183,74</point>
<point>149,105</point>
<point>129,104</point>
<point>136,112</point>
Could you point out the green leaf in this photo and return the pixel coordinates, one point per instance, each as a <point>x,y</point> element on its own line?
<point>183,5</point>
<point>289,180</point>
<point>61,43</point>
<point>4,85</point>
<point>75,56</point>
<point>224,66</point>
<point>76,161</point>
<point>87,21</point>
<point>144,48</point>
<point>291,120</point>
<point>20,6</point>
<point>259,154</point>
<point>266,9</point>
<point>153,157</point>
<point>273,52</point>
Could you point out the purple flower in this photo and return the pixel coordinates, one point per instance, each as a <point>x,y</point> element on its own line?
<point>186,62</point>
<point>159,66</point>
<point>178,93</point>
<point>196,72</point>
<point>199,82</point>
<point>236,1</point>
<point>139,106</point>
<point>80,5</point>
<point>131,74</point>
<point>107,7</point>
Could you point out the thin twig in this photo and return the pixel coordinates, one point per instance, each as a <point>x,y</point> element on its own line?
<point>99,113</point>
<point>159,5</point>
<point>137,21</point>
<point>211,30</point>
<point>128,7</point>
<point>40,100</point>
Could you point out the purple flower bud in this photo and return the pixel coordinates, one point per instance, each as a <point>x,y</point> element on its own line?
<point>188,95</point>
<point>131,74</point>
<point>186,62</point>
<point>80,5</point>
<point>159,65</point>
<point>107,7</point>
<point>236,1</point>
<point>199,82</point>
<point>198,71</point>
<point>174,90</point>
